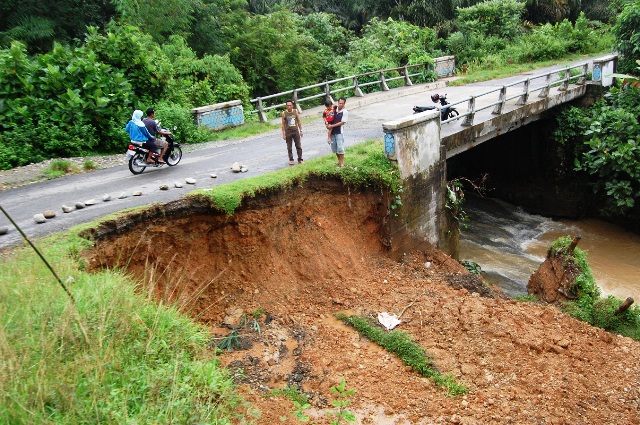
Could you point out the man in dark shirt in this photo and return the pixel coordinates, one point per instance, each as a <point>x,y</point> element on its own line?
<point>155,130</point>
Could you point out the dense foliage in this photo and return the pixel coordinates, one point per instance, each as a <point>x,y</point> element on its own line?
<point>628,36</point>
<point>76,100</point>
<point>606,143</point>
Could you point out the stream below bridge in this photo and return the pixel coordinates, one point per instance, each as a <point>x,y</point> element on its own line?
<point>510,244</point>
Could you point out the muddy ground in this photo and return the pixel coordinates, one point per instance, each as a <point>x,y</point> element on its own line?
<point>276,272</point>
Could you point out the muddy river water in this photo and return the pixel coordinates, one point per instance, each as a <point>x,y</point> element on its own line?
<point>510,244</point>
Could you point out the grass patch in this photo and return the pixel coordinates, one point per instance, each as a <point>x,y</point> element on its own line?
<point>59,168</point>
<point>366,166</point>
<point>507,70</point>
<point>115,356</point>
<point>589,306</point>
<point>411,354</point>
<point>245,130</point>
<point>89,165</point>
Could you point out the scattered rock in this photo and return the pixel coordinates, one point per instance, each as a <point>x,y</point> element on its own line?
<point>244,169</point>
<point>214,176</point>
<point>106,197</point>
<point>190,180</point>
<point>236,167</point>
<point>49,214</point>
<point>67,209</point>
<point>139,193</point>
<point>122,195</point>
<point>80,205</point>
<point>164,187</point>
<point>4,230</point>
<point>39,218</point>
<point>90,202</point>
<point>177,184</point>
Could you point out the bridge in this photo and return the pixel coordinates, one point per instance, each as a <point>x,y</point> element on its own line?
<point>420,144</point>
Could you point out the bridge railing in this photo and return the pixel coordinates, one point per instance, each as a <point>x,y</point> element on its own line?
<point>563,79</point>
<point>442,66</point>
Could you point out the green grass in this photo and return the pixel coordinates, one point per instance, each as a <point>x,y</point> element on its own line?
<point>59,168</point>
<point>365,165</point>
<point>89,165</point>
<point>114,356</point>
<point>245,130</point>
<point>411,354</point>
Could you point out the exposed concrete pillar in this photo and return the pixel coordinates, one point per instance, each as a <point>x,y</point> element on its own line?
<point>421,221</point>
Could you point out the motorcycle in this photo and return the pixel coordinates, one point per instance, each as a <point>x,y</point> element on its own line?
<point>446,110</point>
<point>137,155</point>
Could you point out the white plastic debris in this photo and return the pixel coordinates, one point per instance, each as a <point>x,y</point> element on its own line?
<point>389,321</point>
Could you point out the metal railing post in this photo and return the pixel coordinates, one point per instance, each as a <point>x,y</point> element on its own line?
<point>327,93</point>
<point>407,80</point>
<point>583,79</point>
<point>497,110</point>
<point>294,97</point>
<point>261,114</point>
<point>383,82</point>
<point>547,86</point>
<point>356,87</point>
<point>565,83</point>
<point>468,120</point>
<point>525,93</point>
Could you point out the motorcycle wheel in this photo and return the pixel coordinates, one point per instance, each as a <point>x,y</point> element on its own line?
<point>174,156</point>
<point>137,163</point>
<point>453,113</point>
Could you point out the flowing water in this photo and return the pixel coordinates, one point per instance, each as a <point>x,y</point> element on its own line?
<point>510,244</point>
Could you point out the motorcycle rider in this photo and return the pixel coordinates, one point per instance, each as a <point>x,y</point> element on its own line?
<point>154,129</point>
<point>138,133</point>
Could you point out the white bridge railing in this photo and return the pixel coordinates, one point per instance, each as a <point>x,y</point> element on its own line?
<point>561,77</point>
<point>443,66</point>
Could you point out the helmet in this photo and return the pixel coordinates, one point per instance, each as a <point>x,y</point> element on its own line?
<point>435,97</point>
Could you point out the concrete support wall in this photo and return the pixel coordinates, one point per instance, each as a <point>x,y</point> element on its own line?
<point>220,115</point>
<point>421,221</point>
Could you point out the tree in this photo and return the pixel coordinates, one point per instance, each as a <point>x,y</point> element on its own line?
<point>159,18</point>
<point>627,35</point>
<point>37,23</point>
<point>276,53</point>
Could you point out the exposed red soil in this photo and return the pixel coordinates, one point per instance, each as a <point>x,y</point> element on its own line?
<point>309,252</point>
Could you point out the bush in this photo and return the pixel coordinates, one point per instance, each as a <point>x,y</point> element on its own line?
<point>607,147</point>
<point>499,18</point>
<point>628,36</point>
<point>179,116</point>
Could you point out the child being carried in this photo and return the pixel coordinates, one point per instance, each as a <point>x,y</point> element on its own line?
<point>329,115</point>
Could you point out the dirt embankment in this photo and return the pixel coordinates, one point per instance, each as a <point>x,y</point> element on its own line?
<point>291,260</point>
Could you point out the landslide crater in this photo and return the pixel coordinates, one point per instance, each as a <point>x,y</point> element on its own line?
<point>274,272</point>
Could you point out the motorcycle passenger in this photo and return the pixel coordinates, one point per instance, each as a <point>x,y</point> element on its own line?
<point>155,130</point>
<point>139,133</point>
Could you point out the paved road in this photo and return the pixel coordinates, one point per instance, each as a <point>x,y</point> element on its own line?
<point>261,154</point>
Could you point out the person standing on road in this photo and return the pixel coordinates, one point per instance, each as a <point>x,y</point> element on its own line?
<point>337,138</point>
<point>292,131</point>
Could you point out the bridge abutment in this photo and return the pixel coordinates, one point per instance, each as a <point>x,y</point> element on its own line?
<point>420,222</point>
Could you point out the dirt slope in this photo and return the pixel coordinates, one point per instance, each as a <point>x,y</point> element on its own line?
<point>293,259</point>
